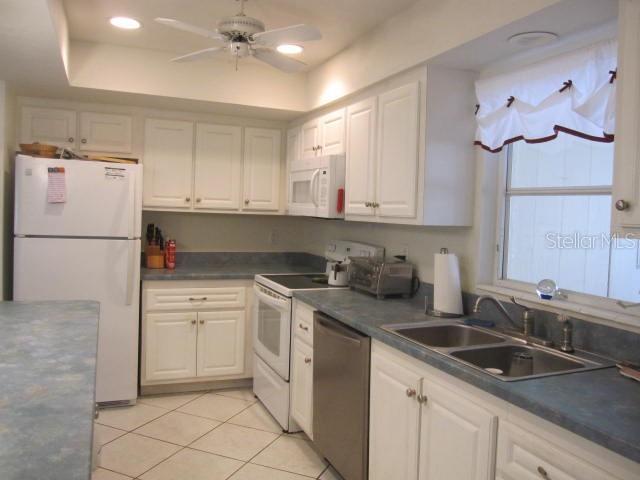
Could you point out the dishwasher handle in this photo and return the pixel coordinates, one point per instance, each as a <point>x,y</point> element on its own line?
<point>332,327</point>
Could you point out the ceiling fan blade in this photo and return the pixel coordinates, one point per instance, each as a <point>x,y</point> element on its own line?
<point>186,27</point>
<point>198,55</point>
<point>279,61</point>
<point>292,34</point>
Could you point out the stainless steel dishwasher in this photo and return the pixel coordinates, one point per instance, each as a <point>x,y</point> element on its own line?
<point>341,358</point>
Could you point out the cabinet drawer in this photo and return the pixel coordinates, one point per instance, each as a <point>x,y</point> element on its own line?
<point>303,322</point>
<point>163,299</point>
<point>525,456</point>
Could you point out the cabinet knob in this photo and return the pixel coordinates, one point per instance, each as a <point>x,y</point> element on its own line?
<point>543,473</point>
<point>201,321</point>
<point>84,140</point>
<point>411,392</point>
<point>71,139</point>
<point>307,360</point>
<point>198,200</point>
<point>622,205</point>
<point>367,204</point>
<point>188,199</point>
<point>422,399</point>
<point>246,202</point>
<point>303,327</point>
<point>193,322</point>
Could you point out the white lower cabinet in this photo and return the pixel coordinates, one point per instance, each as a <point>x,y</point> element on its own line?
<point>302,385</point>
<point>171,345</point>
<point>195,332</point>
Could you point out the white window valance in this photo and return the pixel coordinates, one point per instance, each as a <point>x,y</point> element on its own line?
<point>572,93</point>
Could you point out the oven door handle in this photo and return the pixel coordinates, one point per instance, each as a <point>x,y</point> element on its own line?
<point>278,302</point>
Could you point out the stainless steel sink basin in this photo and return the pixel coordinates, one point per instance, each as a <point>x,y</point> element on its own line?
<point>520,361</point>
<point>445,336</point>
<point>497,354</point>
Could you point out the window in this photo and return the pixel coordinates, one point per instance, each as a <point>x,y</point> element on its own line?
<point>557,213</point>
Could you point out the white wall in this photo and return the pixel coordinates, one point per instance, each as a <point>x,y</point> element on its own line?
<point>409,38</point>
<point>136,70</point>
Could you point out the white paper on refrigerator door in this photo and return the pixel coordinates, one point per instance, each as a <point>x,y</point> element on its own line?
<point>56,185</point>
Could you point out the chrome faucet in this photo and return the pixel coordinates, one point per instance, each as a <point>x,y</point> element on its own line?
<point>528,318</point>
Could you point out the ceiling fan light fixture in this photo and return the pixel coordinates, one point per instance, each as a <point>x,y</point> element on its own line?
<point>290,49</point>
<point>125,23</point>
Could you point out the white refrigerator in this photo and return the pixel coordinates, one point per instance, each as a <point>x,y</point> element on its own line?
<point>77,237</point>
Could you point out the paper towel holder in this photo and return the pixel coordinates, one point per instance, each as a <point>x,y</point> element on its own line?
<point>437,313</point>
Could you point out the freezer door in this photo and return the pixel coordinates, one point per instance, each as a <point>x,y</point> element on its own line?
<point>102,199</point>
<point>103,270</point>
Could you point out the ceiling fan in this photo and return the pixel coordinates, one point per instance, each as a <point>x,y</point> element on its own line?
<point>244,36</point>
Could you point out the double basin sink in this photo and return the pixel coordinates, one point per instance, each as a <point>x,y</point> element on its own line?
<point>497,354</point>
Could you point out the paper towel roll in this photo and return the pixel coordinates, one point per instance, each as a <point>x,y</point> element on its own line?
<point>447,296</point>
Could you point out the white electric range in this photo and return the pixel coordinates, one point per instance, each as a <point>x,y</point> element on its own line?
<point>272,312</point>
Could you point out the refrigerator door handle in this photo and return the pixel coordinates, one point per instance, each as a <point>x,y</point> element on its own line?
<point>131,253</point>
<point>132,205</point>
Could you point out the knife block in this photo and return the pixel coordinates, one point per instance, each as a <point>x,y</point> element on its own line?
<point>154,257</point>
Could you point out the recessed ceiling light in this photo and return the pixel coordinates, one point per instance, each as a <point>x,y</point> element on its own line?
<point>289,49</point>
<point>532,39</point>
<point>125,22</point>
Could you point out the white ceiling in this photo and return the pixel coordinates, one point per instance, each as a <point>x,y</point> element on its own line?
<point>340,21</point>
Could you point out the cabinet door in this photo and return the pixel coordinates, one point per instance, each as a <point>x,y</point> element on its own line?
<point>332,133</point>
<point>170,346</point>
<point>48,125</point>
<point>302,385</point>
<point>361,160</point>
<point>457,437</point>
<point>398,152</point>
<point>220,343</point>
<point>525,456</point>
<point>626,184</point>
<point>218,166</point>
<point>310,138</point>
<point>168,163</point>
<point>261,169</point>
<point>102,132</point>
<point>394,419</point>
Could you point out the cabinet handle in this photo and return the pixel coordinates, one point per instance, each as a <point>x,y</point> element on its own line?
<point>188,199</point>
<point>314,148</point>
<point>193,322</point>
<point>367,204</point>
<point>193,299</point>
<point>307,360</point>
<point>198,200</point>
<point>422,399</point>
<point>543,473</point>
<point>246,202</point>
<point>201,321</point>
<point>411,392</point>
<point>622,205</point>
<point>375,204</point>
<point>303,327</point>
<point>71,139</point>
<point>84,140</point>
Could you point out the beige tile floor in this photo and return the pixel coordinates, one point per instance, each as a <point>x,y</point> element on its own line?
<point>202,436</point>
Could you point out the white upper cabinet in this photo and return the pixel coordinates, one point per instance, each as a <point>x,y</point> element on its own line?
<point>218,167</point>
<point>48,125</point>
<point>310,138</point>
<point>323,135</point>
<point>626,185</point>
<point>361,157</point>
<point>332,128</point>
<point>396,193</point>
<point>168,163</point>
<point>103,132</point>
<point>261,169</point>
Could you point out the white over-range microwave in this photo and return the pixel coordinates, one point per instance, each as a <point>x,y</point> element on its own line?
<point>316,187</point>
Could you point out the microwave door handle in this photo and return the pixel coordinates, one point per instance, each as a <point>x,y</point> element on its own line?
<point>314,185</point>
